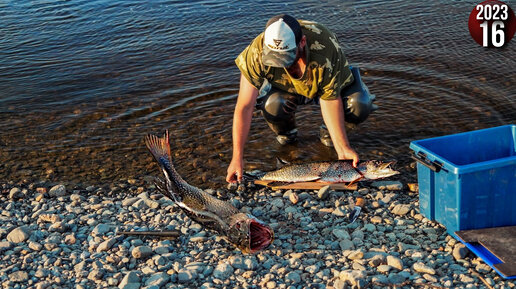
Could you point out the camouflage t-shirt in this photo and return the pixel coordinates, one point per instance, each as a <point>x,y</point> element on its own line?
<point>327,70</point>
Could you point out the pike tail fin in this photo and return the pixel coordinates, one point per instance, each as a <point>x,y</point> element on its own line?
<point>160,150</point>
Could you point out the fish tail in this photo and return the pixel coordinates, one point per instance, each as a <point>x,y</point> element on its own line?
<point>160,150</point>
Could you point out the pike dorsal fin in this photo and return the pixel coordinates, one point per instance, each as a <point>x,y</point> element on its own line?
<point>281,163</point>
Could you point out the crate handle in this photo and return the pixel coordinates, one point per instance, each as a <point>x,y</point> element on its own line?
<point>421,158</point>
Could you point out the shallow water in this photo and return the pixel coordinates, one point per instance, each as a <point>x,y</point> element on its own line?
<point>83,81</point>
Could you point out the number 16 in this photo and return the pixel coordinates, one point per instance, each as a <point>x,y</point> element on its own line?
<point>497,33</point>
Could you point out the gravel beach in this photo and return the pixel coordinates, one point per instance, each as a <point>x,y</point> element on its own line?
<point>59,236</point>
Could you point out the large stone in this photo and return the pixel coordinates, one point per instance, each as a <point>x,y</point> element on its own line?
<point>395,262</point>
<point>388,185</point>
<point>460,251</point>
<point>5,246</point>
<point>57,191</point>
<point>293,277</point>
<point>346,245</point>
<point>186,276</point>
<point>100,229</point>
<point>130,278</point>
<point>158,279</point>
<point>401,209</point>
<point>18,235</point>
<point>352,276</point>
<point>19,276</point>
<point>323,193</point>
<point>141,252</point>
<point>106,245</point>
<point>420,267</point>
<point>15,193</point>
<point>223,271</point>
<point>341,233</point>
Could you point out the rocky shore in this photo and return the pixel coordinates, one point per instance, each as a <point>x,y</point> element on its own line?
<point>63,236</point>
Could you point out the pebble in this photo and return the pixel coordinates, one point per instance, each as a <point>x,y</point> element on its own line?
<point>401,209</point>
<point>323,193</point>
<point>100,229</point>
<point>422,268</point>
<point>293,277</point>
<point>19,235</point>
<point>395,262</point>
<point>352,276</point>
<point>356,255</point>
<point>294,198</point>
<point>57,191</point>
<point>106,245</point>
<point>15,193</point>
<point>19,276</point>
<point>384,268</point>
<point>159,279</point>
<point>346,245</point>
<point>130,278</point>
<point>388,185</point>
<point>141,252</point>
<point>223,271</point>
<point>315,246</point>
<point>460,251</point>
<point>341,233</point>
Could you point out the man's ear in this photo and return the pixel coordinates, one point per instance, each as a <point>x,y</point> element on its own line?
<point>302,42</point>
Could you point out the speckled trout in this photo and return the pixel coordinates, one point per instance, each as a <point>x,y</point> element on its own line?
<point>341,171</point>
<point>243,230</point>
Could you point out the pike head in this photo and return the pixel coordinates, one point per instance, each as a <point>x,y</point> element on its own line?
<point>373,170</point>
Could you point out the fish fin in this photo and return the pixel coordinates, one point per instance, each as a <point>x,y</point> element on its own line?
<point>355,180</point>
<point>159,148</point>
<point>161,185</point>
<point>277,184</point>
<point>253,176</point>
<point>281,162</point>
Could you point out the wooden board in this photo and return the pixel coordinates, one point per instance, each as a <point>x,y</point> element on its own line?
<point>500,241</point>
<point>306,185</point>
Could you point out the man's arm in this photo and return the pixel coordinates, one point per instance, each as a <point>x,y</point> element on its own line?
<point>241,124</point>
<point>333,115</point>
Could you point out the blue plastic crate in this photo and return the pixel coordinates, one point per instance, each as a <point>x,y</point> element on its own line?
<point>468,180</point>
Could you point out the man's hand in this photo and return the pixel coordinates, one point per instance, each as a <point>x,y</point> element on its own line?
<point>349,154</point>
<point>235,171</point>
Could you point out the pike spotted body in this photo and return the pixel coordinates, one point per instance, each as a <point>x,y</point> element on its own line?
<point>341,171</point>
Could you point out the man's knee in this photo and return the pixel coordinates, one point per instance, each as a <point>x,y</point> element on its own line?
<point>279,106</point>
<point>358,102</point>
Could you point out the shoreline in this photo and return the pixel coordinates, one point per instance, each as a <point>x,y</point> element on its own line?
<point>64,237</point>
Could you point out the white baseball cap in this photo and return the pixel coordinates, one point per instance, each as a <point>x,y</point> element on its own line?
<point>280,39</point>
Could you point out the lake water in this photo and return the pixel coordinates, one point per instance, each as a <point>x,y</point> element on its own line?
<point>82,82</point>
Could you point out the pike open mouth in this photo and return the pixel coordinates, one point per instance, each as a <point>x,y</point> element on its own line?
<point>261,236</point>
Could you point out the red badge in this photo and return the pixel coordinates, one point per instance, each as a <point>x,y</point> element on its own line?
<point>492,23</point>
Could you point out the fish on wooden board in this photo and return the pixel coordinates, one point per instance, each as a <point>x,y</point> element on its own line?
<point>243,230</point>
<point>340,171</point>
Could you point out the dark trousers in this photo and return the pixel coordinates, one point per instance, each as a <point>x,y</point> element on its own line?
<point>279,107</point>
